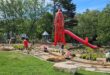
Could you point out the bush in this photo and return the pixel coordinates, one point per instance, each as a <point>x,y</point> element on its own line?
<point>83,56</point>
<point>89,56</point>
<point>94,56</point>
<point>18,47</point>
<point>73,55</point>
<point>19,40</point>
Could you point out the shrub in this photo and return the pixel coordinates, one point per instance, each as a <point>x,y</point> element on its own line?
<point>89,56</point>
<point>94,56</point>
<point>83,56</point>
<point>18,47</point>
<point>73,55</point>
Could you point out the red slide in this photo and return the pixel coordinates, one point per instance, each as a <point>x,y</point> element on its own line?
<point>85,42</point>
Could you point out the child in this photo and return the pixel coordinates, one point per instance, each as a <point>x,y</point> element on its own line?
<point>45,49</point>
<point>68,54</point>
<point>62,49</point>
<point>25,43</point>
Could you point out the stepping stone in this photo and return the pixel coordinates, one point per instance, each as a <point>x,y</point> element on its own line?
<point>83,65</point>
<point>90,69</point>
<point>63,66</point>
<point>104,69</point>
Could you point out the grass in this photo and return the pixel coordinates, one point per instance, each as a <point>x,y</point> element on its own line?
<point>16,63</point>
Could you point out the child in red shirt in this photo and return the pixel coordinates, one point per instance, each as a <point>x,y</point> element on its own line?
<point>26,44</point>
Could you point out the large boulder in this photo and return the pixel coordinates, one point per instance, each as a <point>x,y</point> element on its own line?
<point>56,58</point>
<point>6,48</point>
<point>66,67</point>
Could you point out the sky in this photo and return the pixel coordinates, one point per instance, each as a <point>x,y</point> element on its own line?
<point>82,5</point>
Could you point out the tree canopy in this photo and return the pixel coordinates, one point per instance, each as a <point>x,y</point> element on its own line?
<point>33,17</point>
<point>95,25</point>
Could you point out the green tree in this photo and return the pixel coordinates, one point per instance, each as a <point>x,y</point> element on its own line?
<point>11,14</point>
<point>104,25</point>
<point>68,8</point>
<point>87,26</point>
<point>22,16</point>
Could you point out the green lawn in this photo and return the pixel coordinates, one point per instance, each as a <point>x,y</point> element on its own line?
<point>15,63</point>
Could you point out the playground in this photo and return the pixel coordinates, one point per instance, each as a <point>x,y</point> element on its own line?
<point>83,59</point>
<point>52,62</point>
<point>35,42</point>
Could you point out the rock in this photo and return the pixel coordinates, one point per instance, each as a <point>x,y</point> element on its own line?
<point>90,69</point>
<point>6,48</point>
<point>56,58</point>
<point>101,60</point>
<point>78,55</point>
<point>104,70</point>
<point>81,65</point>
<point>62,66</point>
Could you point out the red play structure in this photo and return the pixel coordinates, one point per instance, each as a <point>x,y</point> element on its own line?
<point>60,32</point>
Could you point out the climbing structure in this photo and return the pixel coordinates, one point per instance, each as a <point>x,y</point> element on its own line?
<point>60,32</point>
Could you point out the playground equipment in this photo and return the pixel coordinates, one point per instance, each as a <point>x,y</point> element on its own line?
<point>59,28</point>
<point>60,32</point>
